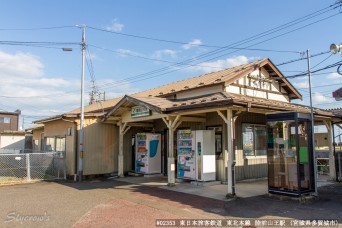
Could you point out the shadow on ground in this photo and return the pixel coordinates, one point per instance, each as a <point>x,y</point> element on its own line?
<point>327,206</point>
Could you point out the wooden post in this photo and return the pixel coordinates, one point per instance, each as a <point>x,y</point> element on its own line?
<point>230,162</point>
<point>171,160</point>
<point>171,168</point>
<point>123,128</point>
<point>332,168</point>
<point>120,160</point>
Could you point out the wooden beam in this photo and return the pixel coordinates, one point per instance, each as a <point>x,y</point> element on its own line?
<point>222,116</point>
<point>165,121</point>
<point>125,131</point>
<point>174,122</point>
<point>116,118</point>
<point>110,122</point>
<point>199,111</point>
<point>140,124</point>
<point>193,119</point>
<point>177,125</point>
<point>126,117</point>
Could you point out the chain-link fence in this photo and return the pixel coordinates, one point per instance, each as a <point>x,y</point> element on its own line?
<point>17,167</point>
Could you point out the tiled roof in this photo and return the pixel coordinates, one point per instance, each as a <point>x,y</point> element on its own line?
<point>221,99</point>
<point>99,106</point>
<point>272,104</point>
<point>226,76</point>
<point>217,77</point>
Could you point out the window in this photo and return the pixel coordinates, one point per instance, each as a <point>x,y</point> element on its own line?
<point>69,133</point>
<point>49,144</point>
<point>254,140</point>
<point>5,120</point>
<point>218,138</point>
<point>60,144</point>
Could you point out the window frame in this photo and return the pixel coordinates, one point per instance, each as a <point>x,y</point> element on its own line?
<point>254,135</point>
<point>5,120</point>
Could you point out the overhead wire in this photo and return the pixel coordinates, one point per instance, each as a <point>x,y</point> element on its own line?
<point>216,46</point>
<point>271,31</point>
<point>324,68</point>
<point>39,28</point>
<point>260,35</point>
<point>304,58</point>
<point>149,77</point>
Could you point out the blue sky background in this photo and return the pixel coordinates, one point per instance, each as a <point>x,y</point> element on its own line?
<point>46,81</point>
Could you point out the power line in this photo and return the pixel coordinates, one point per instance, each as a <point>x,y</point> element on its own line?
<point>51,45</point>
<point>39,28</point>
<point>271,31</point>
<point>304,58</point>
<point>38,42</point>
<point>324,68</point>
<point>321,61</point>
<point>258,36</point>
<point>148,58</point>
<point>163,69</point>
<point>200,45</point>
<point>299,20</point>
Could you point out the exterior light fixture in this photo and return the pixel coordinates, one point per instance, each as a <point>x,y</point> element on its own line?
<point>335,48</point>
<point>67,49</point>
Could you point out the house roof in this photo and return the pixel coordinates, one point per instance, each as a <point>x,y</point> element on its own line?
<point>215,100</point>
<point>10,113</point>
<point>337,94</point>
<point>9,132</point>
<point>96,107</point>
<point>226,76</point>
<point>35,127</point>
<point>222,77</point>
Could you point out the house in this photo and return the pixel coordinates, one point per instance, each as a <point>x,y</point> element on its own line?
<point>11,139</point>
<point>233,102</point>
<point>37,137</point>
<point>9,121</point>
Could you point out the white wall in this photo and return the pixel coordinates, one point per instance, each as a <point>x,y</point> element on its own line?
<point>261,83</point>
<point>12,142</point>
<point>199,92</point>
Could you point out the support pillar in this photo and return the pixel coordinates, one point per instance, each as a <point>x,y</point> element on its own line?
<point>231,159</point>
<point>120,158</point>
<point>123,128</point>
<point>332,168</point>
<point>171,168</point>
<point>230,121</point>
<point>171,160</point>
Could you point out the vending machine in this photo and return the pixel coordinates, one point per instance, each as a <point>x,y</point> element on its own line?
<point>148,153</point>
<point>186,158</point>
<point>196,155</point>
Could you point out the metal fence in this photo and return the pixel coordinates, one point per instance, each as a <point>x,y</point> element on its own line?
<point>322,165</point>
<point>339,165</point>
<point>18,167</point>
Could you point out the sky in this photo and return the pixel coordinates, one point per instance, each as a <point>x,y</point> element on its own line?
<point>133,46</point>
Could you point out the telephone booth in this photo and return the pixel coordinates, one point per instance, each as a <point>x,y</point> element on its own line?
<point>290,154</point>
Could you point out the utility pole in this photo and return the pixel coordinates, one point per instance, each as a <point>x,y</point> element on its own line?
<point>80,165</point>
<point>92,93</point>
<point>312,123</point>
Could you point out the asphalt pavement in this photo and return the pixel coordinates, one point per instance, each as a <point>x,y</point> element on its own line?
<point>112,203</point>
